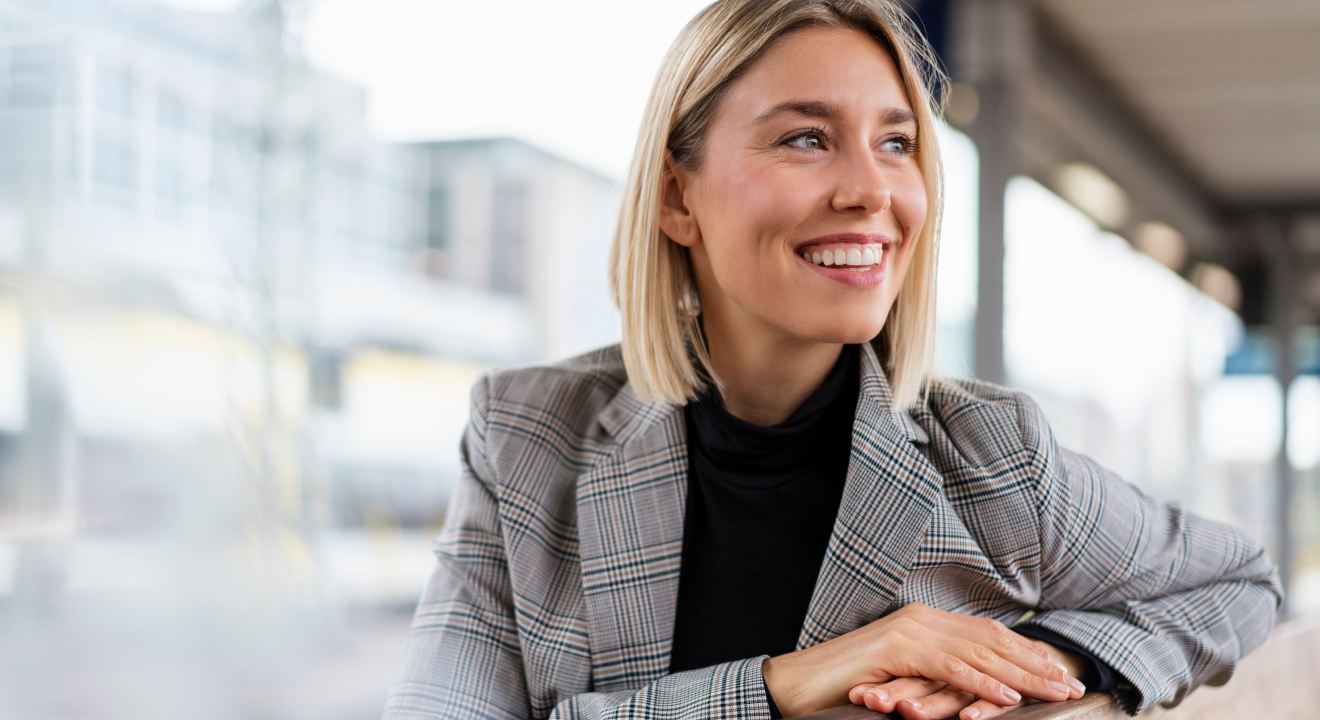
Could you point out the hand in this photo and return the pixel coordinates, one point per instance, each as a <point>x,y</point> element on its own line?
<point>975,655</point>
<point>922,699</point>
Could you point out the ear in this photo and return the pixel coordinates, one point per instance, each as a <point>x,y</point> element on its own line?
<point>676,216</point>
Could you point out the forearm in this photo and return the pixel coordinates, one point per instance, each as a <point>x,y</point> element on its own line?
<point>733,690</point>
<point>1165,647</point>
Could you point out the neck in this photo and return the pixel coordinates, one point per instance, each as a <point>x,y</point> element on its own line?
<point>766,375</point>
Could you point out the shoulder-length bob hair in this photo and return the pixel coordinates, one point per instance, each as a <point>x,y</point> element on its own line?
<point>651,276</point>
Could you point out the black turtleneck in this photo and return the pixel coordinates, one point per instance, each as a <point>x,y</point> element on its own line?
<point>760,507</point>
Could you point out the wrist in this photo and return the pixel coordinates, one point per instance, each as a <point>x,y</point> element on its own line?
<point>779,675</point>
<point>800,685</point>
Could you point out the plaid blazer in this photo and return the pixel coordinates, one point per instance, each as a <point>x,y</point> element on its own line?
<point>558,566</point>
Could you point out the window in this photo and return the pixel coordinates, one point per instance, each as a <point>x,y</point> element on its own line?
<point>437,219</point>
<point>509,238</point>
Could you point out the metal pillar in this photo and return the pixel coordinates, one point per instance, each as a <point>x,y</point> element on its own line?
<point>992,132</point>
<point>1283,321</point>
<point>992,53</point>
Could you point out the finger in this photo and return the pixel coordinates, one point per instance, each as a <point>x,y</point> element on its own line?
<point>855,695</point>
<point>944,703</point>
<point>983,710</point>
<point>1030,655</point>
<point>1069,661</point>
<point>935,644</point>
<point>1026,682</point>
<point>954,671</point>
<point>883,697</point>
<point>1027,654</point>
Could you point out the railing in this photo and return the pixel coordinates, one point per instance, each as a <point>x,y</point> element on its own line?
<point>1281,679</point>
<point>1092,706</point>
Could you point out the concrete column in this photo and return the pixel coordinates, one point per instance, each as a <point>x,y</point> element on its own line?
<point>992,132</point>
<point>992,56</point>
<point>1273,234</point>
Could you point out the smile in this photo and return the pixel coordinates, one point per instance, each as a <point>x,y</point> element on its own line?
<point>845,256</point>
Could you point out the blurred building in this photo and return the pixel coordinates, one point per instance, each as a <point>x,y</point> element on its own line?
<point>237,338</point>
<point>209,263</point>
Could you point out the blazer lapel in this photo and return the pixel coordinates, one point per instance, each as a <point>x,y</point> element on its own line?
<point>888,499</point>
<point>630,520</point>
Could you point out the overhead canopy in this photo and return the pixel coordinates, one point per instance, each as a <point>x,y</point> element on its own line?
<point>1197,116</point>
<point>1231,86</point>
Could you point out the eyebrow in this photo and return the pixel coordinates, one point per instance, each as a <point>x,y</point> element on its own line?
<point>826,111</point>
<point>815,109</point>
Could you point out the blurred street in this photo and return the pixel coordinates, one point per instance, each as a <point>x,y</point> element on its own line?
<point>112,654</point>
<point>254,254</point>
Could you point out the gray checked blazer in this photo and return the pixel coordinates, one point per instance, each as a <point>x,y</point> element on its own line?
<point>559,562</point>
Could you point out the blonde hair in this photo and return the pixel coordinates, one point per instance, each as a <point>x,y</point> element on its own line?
<point>651,276</point>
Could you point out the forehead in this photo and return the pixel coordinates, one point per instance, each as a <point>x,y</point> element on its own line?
<point>838,66</point>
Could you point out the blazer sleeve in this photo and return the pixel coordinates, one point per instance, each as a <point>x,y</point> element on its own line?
<point>1168,599</point>
<point>463,657</point>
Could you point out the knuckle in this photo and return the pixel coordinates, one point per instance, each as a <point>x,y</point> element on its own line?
<point>907,625</point>
<point>982,654</point>
<point>1028,679</point>
<point>1037,647</point>
<point>1002,635</point>
<point>955,667</point>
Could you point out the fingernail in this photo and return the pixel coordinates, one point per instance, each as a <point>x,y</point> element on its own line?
<point>1012,695</point>
<point>1057,686</point>
<point>881,695</point>
<point>916,704</point>
<point>1060,665</point>
<point>1076,684</point>
<point>972,713</point>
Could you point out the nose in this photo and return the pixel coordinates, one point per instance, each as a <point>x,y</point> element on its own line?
<point>862,186</point>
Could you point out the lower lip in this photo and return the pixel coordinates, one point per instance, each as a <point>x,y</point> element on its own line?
<point>866,278</point>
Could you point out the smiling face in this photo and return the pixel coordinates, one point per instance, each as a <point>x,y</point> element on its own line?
<point>808,200</point>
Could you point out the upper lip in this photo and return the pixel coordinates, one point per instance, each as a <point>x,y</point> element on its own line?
<point>859,238</point>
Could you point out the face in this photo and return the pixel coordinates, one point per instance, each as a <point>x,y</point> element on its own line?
<point>803,213</point>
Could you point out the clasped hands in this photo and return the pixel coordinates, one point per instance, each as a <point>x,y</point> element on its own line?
<point>926,664</point>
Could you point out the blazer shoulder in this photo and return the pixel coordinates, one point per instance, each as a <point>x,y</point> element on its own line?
<point>569,394</point>
<point>990,420</point>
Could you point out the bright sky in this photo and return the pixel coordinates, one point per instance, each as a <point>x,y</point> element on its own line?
<point>570,76</point>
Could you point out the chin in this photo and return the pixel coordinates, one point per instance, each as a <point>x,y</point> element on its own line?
<point>848,331</point>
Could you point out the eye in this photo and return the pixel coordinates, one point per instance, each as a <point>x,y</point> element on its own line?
<point>812,140</point>
<point>900,144</point>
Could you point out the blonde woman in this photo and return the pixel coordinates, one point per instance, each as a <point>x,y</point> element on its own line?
<point>765,502</point>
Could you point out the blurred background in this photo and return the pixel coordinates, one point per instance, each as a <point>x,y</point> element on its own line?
<point>254,253</point>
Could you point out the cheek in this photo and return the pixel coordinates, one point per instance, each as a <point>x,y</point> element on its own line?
<point>745,204</point>
<point>909,205</point>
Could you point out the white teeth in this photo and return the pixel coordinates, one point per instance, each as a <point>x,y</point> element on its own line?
<point>857,259</point>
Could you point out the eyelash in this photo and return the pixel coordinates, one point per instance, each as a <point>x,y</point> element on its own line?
<point>910,146</point>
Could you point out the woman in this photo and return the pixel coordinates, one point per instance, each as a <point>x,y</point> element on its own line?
<point>764,502</point>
